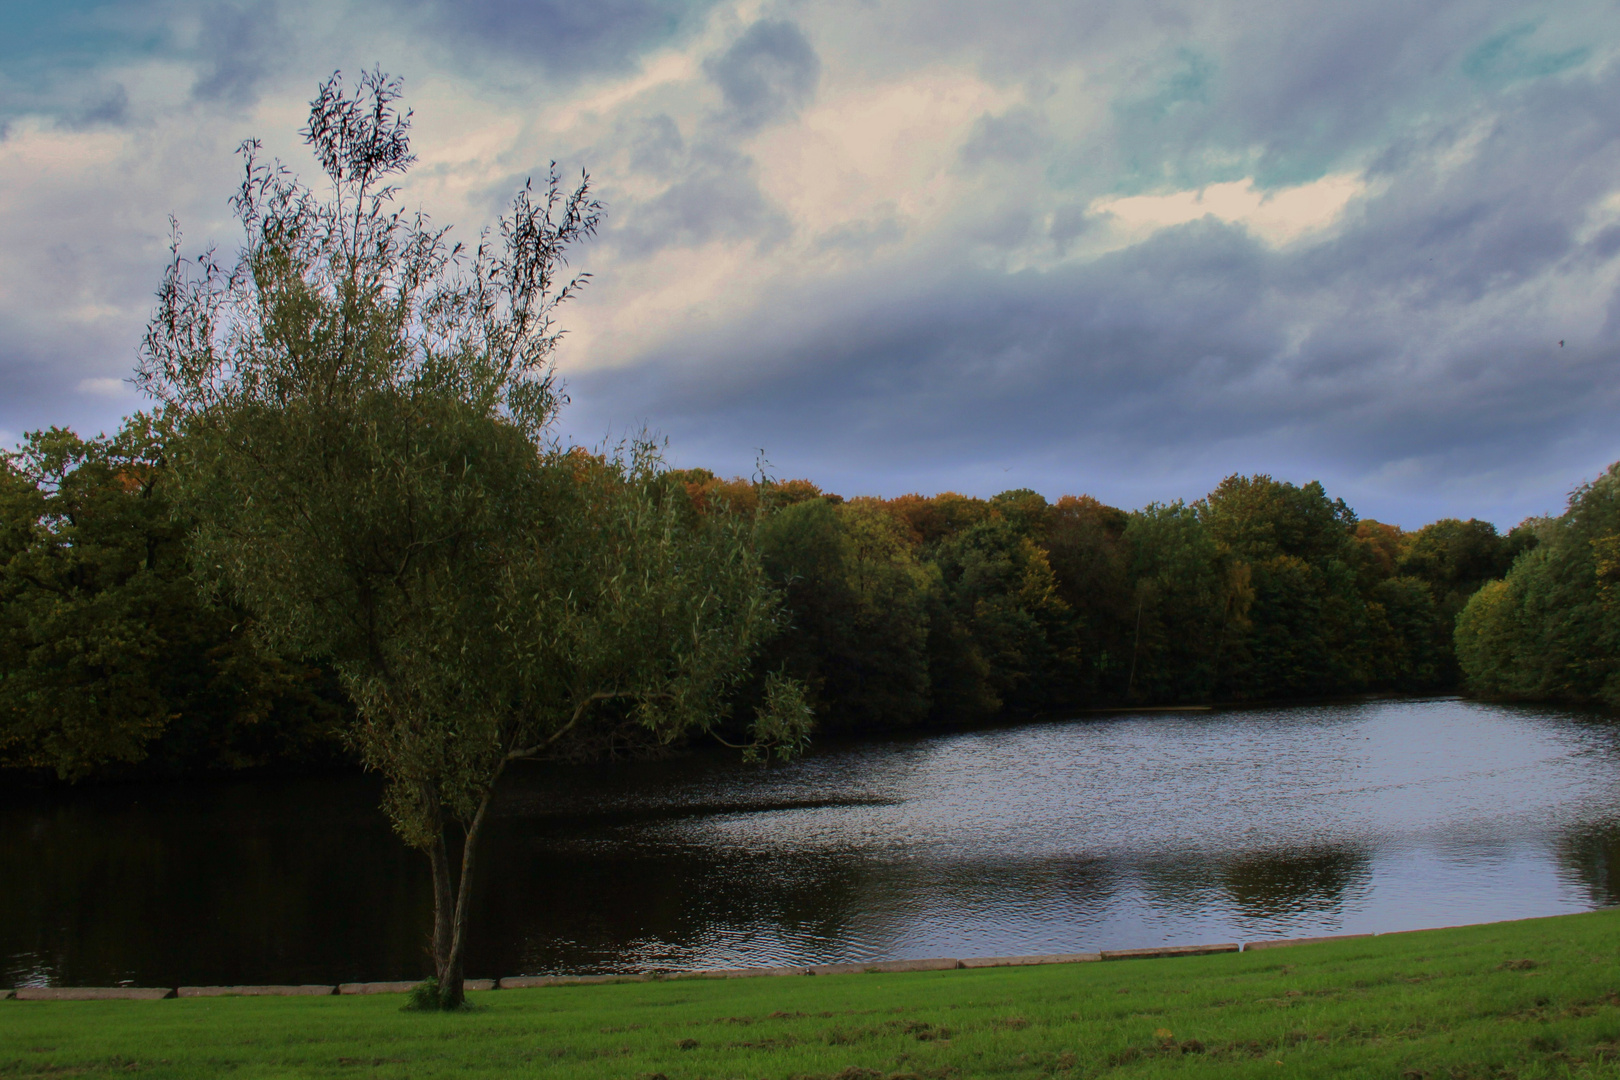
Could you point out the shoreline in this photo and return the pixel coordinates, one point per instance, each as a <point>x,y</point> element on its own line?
<point>527,982</point>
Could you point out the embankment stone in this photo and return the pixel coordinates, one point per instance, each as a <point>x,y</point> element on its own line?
<point>1169,950</point>
<point>378,987</point>
<point>528,982</point>
<point>874,966</point>
<point>256,991</point>
<point>740,973</point>
<point>93,993</point>
<point>942,963</point>
<point>478,984</point>
<point>1280,943</point>
<point>1022,961</point>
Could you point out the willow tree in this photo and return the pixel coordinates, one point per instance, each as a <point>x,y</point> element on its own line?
<point>364,409</point>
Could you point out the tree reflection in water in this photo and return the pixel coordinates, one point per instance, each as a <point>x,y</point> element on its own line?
<point>1314,881</point>
<point>1590,854</point>
<point>1110,832</point>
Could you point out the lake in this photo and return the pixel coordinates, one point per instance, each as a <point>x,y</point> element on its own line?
<point>1105,831</point>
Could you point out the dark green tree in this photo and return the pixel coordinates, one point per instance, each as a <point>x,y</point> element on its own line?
<point>857,602</point>
<point>1550,630</point>
<point>1001,611</point>
<point>1085,545</point>
<point>1307,630</point>
<point>364,409</point>
<point>109,658</point>
<point>1189,607</point>
<point>1409,642</point>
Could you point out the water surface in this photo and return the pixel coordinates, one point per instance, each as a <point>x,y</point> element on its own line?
<point>1102,832</point>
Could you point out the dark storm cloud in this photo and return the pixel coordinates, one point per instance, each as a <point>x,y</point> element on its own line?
<point>1016,135</point>
<point>238,46</point>
<point>110,107</point>
<point>561,37</point>
<point>708,191</point>
<point>714,197</point>
<point>1426,331</point>
<point>768,73</point>
<point>1069,223</point>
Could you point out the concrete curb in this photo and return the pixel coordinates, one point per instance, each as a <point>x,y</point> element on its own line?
<point>1025,961</point>
<point>529,982</point>
<point>734,973</point>
<point>876,967</point>
<point>92,993</point>
<point>1170,950</point>
<point>379,987</point>
<point>1283,943</point>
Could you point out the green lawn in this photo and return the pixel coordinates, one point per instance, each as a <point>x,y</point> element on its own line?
<point>1539,998</point>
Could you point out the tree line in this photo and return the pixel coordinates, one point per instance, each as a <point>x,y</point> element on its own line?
<point>895,612</point>
<point>948,609</point>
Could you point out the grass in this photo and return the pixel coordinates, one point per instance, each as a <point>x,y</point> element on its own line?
<point>1539,998</point>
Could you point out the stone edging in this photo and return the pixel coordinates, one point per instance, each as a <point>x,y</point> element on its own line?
<point>524,982</point>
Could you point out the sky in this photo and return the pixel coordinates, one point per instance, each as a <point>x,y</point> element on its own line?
<point>1120,248</point>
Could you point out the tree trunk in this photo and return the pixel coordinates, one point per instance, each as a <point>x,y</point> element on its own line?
<point>452,922</point>
<point>443,903</point>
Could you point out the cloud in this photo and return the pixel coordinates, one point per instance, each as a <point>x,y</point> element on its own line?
<point>767,74</point>
<point>1117,247</point>
<point>1277,216</point>
<point>713,196</point>
<point>104,387</point>
<point>1408,352</point>
<point>562,38</point>
<point>1016,135</point>
<point>239,44</point>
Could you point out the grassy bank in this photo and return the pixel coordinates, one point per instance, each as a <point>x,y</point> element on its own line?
<point>1539,998</point>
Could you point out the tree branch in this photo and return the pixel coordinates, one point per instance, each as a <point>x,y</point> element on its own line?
<point>573,721</point>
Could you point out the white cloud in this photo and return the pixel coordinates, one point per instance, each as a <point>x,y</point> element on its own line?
<point>105,387</point>
<point>874,147</point>
<point>1277,216</point>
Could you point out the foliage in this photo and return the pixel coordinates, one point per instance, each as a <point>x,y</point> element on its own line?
<point>1306,619</point>
<point>425,996</point>
<point>1550,630</point>
<point>1000,590</point>
<point>1262,590</point>
<point>1408,637</point>
<point>858,597</point>
<point>1186,610</point>
<point>947,609</point>
<point>108,656</point>
<point>364,408</point>
<point>1086,548</point>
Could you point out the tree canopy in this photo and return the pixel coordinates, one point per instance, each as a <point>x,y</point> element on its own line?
<point>1550,629</point>
<point>110,660</point>
<point>362,411</point>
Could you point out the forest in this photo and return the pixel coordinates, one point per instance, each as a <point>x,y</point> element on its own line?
<point>893,612</point>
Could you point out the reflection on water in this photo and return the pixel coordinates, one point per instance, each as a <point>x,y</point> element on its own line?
<point>1590,855</point>
<point>1097,833</point>
<point>1271,885</point>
